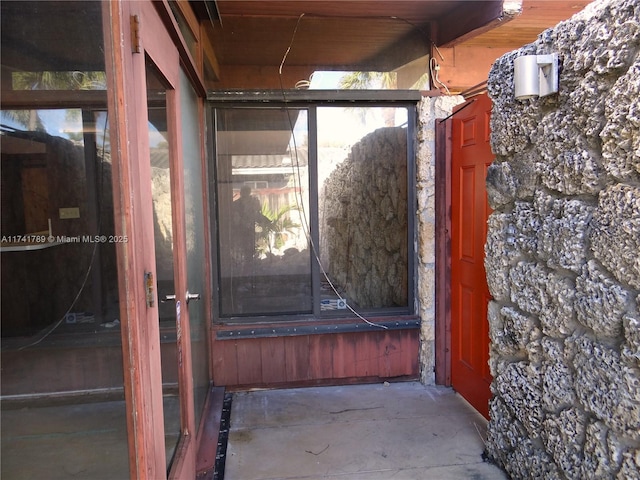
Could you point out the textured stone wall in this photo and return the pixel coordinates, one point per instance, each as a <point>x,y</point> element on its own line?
<point>429,111</point>
<point>563,256</point>
<point>364,220</point>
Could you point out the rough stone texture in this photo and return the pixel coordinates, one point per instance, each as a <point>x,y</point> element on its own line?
<point>631,345</point>
<point>597,461</point>
<point>508,443</point>
<point>429,110</point>
<point>615,238</point>
<point>621,134</point>
<point>546,293</point>
<point>630,466</point>
<point>563,255</point>
<point>500,253</point>
<point>563,435</point>
<point>562,234</point>
<point>618,405</point>
<point>601,302</point>
<point>364,210</point>
<point>512,331</point>
<point>558,376</point>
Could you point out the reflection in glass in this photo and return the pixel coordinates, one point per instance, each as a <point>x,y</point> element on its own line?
<point>56,203</point>
<point>366,80</point>
<point>358,214</point>
<point>362,207</point>
<point>57,197</point>
<point>159,144</point>
<point>58,81</point>
<point>60,309</point>
<point>187,34</point>
<point>262,173</point>
<point>195,223</point>
<point>61,339</point>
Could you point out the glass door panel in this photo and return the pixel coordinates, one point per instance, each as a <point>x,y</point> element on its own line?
<point>63,405</point>
<point>60,320</point>
<point>195,241</point>
<point>159,147</point>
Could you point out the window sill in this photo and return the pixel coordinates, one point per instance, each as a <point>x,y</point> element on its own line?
<point>350,326</point>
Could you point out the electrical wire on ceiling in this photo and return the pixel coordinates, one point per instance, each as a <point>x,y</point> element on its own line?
<point>434,67</point>
<point>299,201</point>
<point>434,70</point>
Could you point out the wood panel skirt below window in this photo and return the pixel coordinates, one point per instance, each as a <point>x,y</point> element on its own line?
<point>345,357</point>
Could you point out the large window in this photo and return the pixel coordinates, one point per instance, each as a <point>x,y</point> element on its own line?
<point>63,407</point>
<point>312,208</point>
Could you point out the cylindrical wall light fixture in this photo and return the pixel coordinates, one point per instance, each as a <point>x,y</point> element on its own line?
<point>525,77</point>
<point>535,75</point>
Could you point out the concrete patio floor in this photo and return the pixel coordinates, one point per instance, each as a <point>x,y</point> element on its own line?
<point>362,432</point>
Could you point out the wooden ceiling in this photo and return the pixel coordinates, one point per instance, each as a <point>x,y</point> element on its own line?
<point>536,16</point>
<point>374,34</point>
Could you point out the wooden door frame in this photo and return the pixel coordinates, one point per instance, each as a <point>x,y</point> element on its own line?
<point>133,212</point>
<point>443,150</point>
<point>164,54</point>
<point>142,378</point>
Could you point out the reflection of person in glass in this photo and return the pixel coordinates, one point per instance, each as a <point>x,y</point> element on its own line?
<point>246,214</point>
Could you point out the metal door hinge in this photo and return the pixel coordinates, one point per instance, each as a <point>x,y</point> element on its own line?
<point>149,288</point>
<point>135,34</point>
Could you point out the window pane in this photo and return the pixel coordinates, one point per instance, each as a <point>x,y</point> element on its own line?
<point>63,407</point>
<point>160,161</point>
<point>262,173</point>
<point>187,34</point>
<point>362,190</point>
<point>60,309</point>
<point>195,223</point>
<point>413,77</point>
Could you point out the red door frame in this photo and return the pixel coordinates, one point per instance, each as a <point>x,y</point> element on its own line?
<point>142,375</point>
<point>443,252</point>
<point>133,30</point>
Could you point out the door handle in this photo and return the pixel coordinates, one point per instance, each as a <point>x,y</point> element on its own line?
<point>172,298</point>
<point>192,296</point>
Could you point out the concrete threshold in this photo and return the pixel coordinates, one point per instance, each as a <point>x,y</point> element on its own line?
<point>360,432</point>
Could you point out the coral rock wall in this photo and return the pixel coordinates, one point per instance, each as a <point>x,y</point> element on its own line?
<point>563,255</point>
<point>430,111</point>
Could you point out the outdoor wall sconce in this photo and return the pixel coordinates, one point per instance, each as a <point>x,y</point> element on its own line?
<point>535,75</point>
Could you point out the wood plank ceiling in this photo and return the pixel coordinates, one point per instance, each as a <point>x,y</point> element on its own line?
<point>364,34</point>
<point>253,38</point>
<point>536,16</point>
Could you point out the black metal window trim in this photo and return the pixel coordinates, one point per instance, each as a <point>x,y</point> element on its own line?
<point>311,101</point>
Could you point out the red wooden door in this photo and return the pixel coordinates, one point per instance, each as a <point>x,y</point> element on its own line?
<point>471,156</point>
